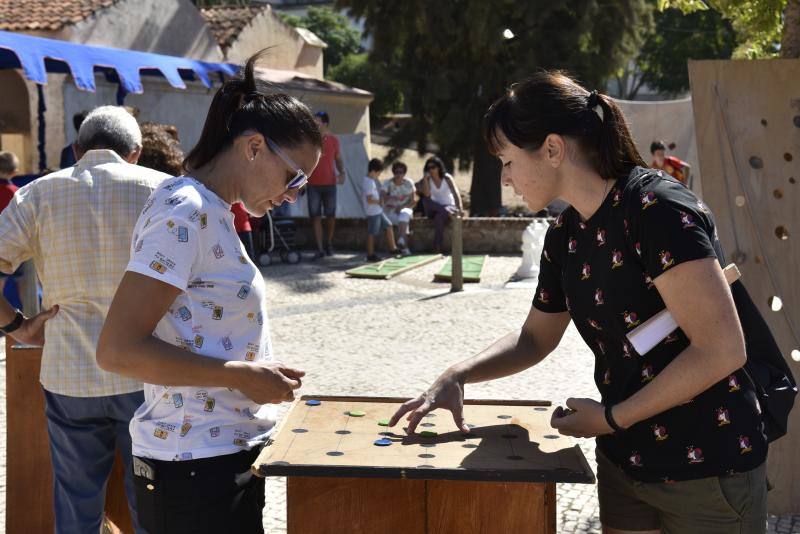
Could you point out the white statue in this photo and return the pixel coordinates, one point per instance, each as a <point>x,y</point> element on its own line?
<point>532,245</point>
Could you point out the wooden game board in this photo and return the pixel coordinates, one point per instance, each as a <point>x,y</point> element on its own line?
<point>498,480</point>
<point>510,441</point>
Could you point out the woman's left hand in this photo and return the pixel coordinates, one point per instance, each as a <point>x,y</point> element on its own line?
<point>585,418</point>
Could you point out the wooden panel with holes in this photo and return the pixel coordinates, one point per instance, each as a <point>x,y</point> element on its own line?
<point>747,117</point>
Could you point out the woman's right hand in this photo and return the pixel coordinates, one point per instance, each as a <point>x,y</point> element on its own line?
<point>447,392</point>
<point>266,382</point>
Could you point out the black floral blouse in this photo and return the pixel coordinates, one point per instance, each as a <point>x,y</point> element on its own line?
<point>602,271</point>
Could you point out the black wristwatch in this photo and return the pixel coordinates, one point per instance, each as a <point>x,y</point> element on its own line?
<point>13,325</point>
<point>610,420</point>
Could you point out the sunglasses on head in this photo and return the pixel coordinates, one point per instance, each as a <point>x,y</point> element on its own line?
<point>300,178</point>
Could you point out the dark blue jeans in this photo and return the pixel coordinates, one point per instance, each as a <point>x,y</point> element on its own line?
<point>84,433</point>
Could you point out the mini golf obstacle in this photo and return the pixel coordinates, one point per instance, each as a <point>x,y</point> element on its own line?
<point>472,268</point>
<point>383,270</point>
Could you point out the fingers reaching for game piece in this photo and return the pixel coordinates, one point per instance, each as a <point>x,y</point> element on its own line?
<point>406,407</point>
<point>447,392</point>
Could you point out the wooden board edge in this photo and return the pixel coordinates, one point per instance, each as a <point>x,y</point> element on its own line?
<point>261,459</point>
<point>351,398</point>
<point>586,467</point>
<point>366,275</point>
<point>352,272</point>
<point>432,259</point>
<point>560,475</point>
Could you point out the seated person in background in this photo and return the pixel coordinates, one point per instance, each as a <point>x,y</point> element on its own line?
<point>376,219</point>
<point>398,200</point>
<point>440,197</point>
<point>671,165</point>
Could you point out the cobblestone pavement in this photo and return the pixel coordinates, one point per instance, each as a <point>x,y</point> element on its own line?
<point>393,338</point>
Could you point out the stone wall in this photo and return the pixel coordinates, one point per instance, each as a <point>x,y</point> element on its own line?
<point>481,235</point>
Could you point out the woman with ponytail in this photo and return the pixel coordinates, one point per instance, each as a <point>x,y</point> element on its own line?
<point>680,447</point>
<point>189,318</point>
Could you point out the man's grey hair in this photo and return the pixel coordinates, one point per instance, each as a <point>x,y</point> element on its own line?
<point>112,128</point>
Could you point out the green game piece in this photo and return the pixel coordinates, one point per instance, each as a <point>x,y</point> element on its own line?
<point>383,422</point>
<point>428,433</point>
<point>356,413</point>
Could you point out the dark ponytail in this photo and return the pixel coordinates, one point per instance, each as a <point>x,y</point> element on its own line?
<point>249,103</point>
<point>552,102</point>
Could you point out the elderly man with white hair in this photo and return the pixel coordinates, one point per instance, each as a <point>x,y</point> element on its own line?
<point>76,224</point>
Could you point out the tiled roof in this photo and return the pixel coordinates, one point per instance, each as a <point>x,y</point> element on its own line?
<point>46,15</point>
<point>227,21</point>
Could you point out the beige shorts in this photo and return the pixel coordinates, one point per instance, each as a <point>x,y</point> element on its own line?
<point>715,505</point>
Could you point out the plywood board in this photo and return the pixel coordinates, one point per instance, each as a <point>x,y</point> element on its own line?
<point>460,507</point>
<point>472,268</point>
<point>29,496</point>
<point>385,269</point>
<point>747,117</point>
<point>365,506</point>
<point>509,441</point>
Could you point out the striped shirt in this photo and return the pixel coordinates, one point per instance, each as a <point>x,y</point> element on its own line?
<point>76,225</point>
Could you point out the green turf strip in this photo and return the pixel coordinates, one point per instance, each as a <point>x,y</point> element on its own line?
<point>383,270</point>
<point>471,267</point>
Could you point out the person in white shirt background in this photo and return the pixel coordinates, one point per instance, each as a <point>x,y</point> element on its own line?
<point>189,318</point>
<point>377,221</point>
<point>398,203</point>
<point>440,197</point>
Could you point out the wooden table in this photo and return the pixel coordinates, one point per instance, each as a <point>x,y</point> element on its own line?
<point>29,495</point>
<point>499,479</point>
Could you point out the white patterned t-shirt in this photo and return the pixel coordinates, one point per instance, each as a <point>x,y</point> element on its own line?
<point>185,237</point>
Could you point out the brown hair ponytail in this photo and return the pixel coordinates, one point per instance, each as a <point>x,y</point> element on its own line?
<point>249,103</point>
<point>552,102</point>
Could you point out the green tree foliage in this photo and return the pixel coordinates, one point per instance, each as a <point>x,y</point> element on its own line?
<point>331,27</point>
<point>454,59</point>
<point>759,24</point>
<point>675,39</point>
<point>357,71</point>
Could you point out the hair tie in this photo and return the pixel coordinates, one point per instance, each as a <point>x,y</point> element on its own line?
<point>593,103</point>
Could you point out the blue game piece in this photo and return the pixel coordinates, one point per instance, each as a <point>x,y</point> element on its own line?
<point>383,442</point>
<point>313,402</point>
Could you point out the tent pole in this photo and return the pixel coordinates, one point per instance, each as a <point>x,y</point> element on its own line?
<point>41,108</point>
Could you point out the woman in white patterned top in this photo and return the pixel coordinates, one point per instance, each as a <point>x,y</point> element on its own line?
<point>189,318</point>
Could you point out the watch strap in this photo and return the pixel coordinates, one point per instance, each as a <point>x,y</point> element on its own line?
<point>14,324</point>
<point>610,420</point>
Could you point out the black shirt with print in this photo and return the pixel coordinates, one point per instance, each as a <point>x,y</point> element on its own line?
<point>602,272</point>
